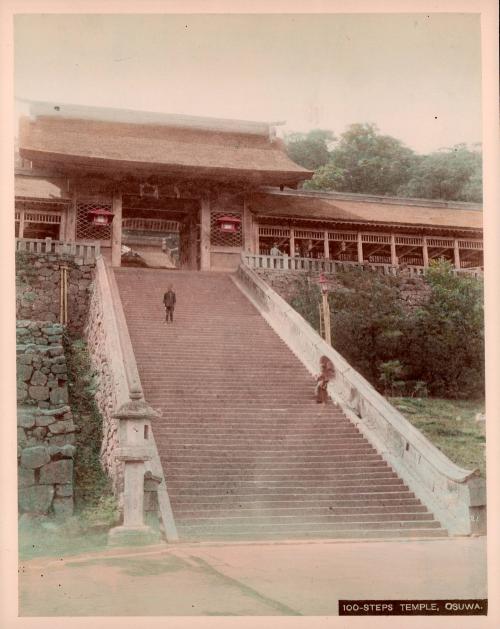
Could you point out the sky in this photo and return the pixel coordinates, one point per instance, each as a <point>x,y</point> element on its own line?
<point>416,76</point>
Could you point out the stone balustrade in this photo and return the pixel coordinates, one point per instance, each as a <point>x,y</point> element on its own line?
<point>128,451</point>
<point>456,496</point>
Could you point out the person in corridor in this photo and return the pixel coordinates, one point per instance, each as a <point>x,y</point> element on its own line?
<point>169,302</point>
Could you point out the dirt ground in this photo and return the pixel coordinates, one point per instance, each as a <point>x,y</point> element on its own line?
<point>250,579</point>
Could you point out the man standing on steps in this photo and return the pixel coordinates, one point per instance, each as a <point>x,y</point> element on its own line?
<point>169,302</point>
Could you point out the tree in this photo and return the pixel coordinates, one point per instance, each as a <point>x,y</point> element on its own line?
<point>310,150</point>
<point>452,173</point>
<point>446,338</point>
<point>365,161</point>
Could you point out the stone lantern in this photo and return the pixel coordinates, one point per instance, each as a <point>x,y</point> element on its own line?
<point>135,449</point>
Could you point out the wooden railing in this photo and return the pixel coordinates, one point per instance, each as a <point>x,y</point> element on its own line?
<point>323,265</point>
<point>89,251</point>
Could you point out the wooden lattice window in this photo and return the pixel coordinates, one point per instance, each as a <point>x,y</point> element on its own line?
<point>85,228</point>
<point>224,239</point>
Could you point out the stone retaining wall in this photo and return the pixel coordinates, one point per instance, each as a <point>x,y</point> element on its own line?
<point>38,278</point>
<point>45,428</point>
<point>413,291</point>
<point>95,332</point>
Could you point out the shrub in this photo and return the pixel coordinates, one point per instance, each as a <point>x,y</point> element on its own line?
<point>436,350</point>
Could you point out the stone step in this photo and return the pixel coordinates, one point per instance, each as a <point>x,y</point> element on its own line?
<point>256,518</point>
<point>246,451</point>
<point>194,533</point>
<point>290,491</point>
<point>223,527</point>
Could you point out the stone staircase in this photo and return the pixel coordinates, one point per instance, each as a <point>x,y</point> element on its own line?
<point>246,451</point>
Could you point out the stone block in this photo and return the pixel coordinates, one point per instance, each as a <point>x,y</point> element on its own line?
<point>62,427</point>
<point>35,499</point>
<point>24,372</point>
<point>63,507</point>
<point>64,491</point>
<point>45,420</point>
<point>59,395</point>
<point>21,437</point>
<point>66,451</point>
<point>21,394</point>
<point>60,472</point>
<point>25,417</point>
<point>39,433</point>
<point>25,477</point>
<point>56,351</point>
<point>56,412</point>
<point>39,392</point>
<point>59,368</point>
<point>62,440</point>
<point>25,359</point>
<point>34,457</point>
<point>38,379</point>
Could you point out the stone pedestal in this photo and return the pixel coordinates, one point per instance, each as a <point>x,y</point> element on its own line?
<point>133,536</point>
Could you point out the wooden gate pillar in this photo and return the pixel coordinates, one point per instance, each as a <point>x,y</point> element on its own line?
<point>116,230</point>
<point>205,233</point>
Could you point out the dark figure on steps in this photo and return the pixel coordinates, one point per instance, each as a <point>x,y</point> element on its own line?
<point>169,302</point>
<point>327,372</point>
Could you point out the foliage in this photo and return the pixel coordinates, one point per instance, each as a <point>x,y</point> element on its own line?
<point>91,483</point>
<point>305,299</point>
<point>367,322</point>
<point>448,332</point>
<point>451,426</point>
<point>453,173</point>
<point>365,161</point>
<point>390,376</point>
<point>436,350</point>
<point>310,150</point>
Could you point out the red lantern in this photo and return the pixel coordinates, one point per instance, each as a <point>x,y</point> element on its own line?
<point>100,216</point>
<point>229,224</point>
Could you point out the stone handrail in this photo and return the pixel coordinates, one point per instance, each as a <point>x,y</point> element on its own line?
<point>122,384</point>
<point>89,251</point>
<point>325,265</point>
<point>455,495</point>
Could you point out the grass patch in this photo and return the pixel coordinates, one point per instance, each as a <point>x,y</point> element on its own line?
<point>450,425</point>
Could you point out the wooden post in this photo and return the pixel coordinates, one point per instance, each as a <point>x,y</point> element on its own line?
<point>21,224</point>
<point>326,318</point>
<point>247,225</point>
<point>360,249</point>
<point>193,244</point>
<point>326,245</point>
<point>292,242</point>
<point>456,253</point>
<point>394,258</point>
<point>116,232</point>
<point>256,237</point>
<point>425,252</point>
<point>70,235</point>
<point>62,225</point>
<point>205,233</point>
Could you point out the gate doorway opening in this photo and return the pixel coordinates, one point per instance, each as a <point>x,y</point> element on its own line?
<point>164,233</point>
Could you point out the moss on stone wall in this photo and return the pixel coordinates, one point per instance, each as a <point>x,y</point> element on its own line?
<point>92,486</point>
